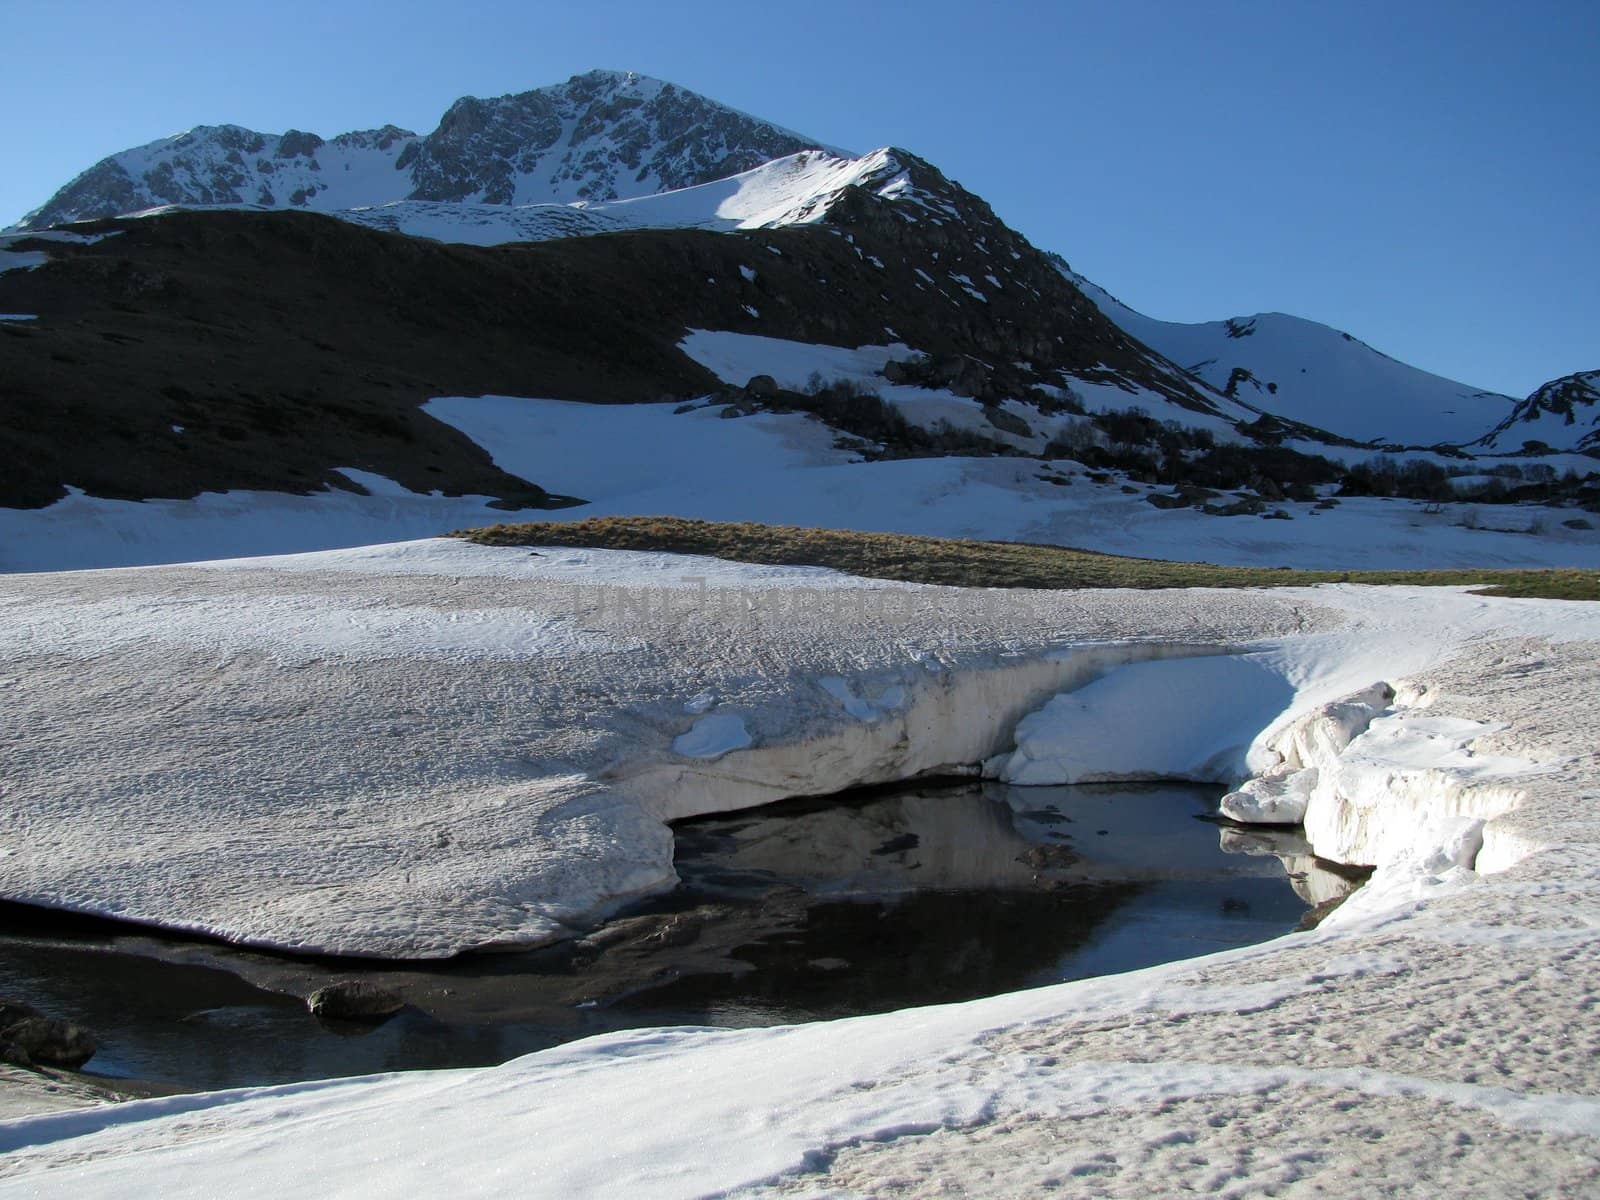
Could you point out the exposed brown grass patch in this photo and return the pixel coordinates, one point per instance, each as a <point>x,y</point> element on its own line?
<point>959,563</point>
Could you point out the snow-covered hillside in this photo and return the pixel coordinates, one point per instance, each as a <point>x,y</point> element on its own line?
<point>1272,363</point>
<point>603,135</point>
<point>652,459</point>
<point>1307,372</point>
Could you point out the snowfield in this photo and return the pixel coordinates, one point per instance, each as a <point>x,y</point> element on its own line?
<point>412,749</point>
<point>653,459</point>
<point>796,189</point>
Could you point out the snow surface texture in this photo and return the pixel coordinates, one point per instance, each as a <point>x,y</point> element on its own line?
<point>1317,375</point>
<point>650,459</point>
<point>1433,1038</point>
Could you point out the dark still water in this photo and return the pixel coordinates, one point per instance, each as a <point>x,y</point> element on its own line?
<point>796,911</point>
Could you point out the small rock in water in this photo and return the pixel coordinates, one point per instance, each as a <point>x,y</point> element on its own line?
<point>28,1038</point>
<point>680,931</point>
<point>11,1012</point>
<point>355,1000</point>
<point>1050,857</point>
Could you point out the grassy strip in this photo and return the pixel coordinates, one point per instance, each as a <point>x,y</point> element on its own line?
<point>960,563</point>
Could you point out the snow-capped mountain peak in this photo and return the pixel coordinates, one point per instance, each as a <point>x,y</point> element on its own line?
<point>604,135</point>
<point>601,136</point>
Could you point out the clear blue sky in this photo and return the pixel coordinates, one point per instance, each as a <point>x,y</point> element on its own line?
<point>1422,173</point>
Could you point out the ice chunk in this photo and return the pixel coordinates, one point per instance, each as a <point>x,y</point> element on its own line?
<point>1319,737</point>
<point>1277,798</point>
<point>860,707</point>
<point>713,736</point>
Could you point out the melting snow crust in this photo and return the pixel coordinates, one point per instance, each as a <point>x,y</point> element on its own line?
<point>532,708</point>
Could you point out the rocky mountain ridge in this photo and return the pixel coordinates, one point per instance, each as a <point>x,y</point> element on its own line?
<point>1563,414</point>
<point>602,135</point>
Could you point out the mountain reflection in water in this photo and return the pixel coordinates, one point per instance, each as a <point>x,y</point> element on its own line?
<point>796,911</point>
<point>927,896</point>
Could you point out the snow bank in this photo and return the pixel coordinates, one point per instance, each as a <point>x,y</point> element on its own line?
<point>1282,794</point>
<point>1002,1095</point>
<point>1375,785</point>
<point>1194,719</point>
<point>1409,771</point>
<point>411,751</point>
<point>1376,780</point>
<point>612,1115</point>
<point>924,718</point>
<point>543,712</point>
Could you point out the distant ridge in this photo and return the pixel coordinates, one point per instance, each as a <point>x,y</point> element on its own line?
<point>602,135</point>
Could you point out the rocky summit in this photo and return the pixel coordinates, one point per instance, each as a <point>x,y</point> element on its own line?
<point>603,135</point>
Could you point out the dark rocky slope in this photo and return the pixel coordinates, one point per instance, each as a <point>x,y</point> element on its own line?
<point>285,345</point>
